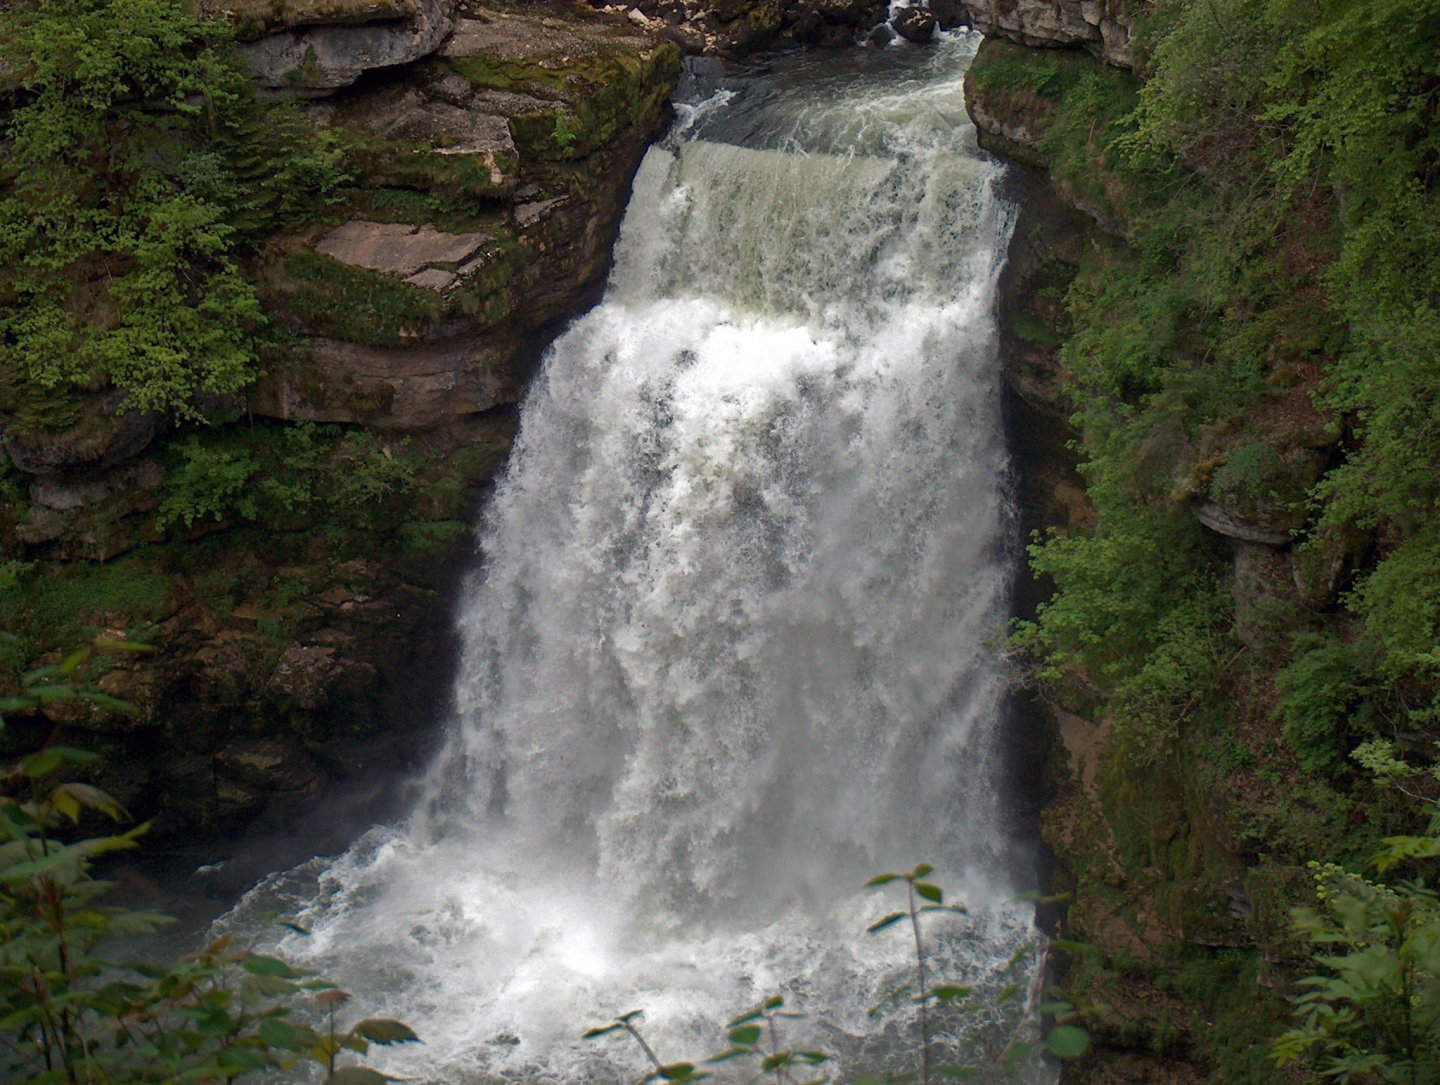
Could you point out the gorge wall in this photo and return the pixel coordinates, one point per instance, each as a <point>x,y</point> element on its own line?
<point>289,562</point>
<point>1240,576</point>
<point>1218,650</point>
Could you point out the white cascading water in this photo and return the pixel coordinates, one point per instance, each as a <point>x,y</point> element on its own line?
<point>733,648</point>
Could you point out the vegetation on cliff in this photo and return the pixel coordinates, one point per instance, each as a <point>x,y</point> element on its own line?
<point>248,447</point>
<point>140,166</point>
<point>1250,345</point>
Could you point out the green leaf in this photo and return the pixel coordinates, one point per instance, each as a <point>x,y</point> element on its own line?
<point>357,1075</point>
<point>71,663</point>
<point>239,1060</point>
<point>1015,1054</point>
<point>883,879</point>
<point>270,986</point>
<point>92,798</point>
<point>106,645</point>
<point>46,761</point>
<point>1067,1042</point>
<point>590,1034</point>
<point>681,1071</point>
<point>893,917</point>
<point>53,693</point>
<point>921,871</point>
<point>259,965</point>
<point>384,1030</point>
<point>949,992</point>
<point>41,764</point>
<point>932,893</point>
<point>66,804</point>
<point>104,700</point>
<point>745,1035</point>
<point>726,1056</point>
<point>278,1033</point>
<point>20,872</point>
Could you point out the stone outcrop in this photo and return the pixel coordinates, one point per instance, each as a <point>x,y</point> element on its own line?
<point>254,18</point>
<point>528,125</point>
<point>106,436</point>
<point>398,248</point>
<point>1100,26</point>
<point>738,28</point>
<point>915,24</point>
<point>316,56</point>
<point>410,388</point>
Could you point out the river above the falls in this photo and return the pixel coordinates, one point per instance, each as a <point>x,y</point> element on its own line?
<point>733,649</point>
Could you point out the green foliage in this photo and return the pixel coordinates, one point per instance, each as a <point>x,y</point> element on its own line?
<point>350,303</point>
<point>209,484</point>
<point>44,608</point>
<point>127,182</point>
<point>273,474</point>
<point>1323,695</point>
<point>1373,1013</point>
<point>68,1013</point>
<point>565,133</point>
<point>1274,177</point>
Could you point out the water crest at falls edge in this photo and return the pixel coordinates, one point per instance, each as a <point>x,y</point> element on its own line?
<point>733,647</point>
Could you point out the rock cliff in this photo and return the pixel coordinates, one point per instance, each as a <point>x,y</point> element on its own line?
<point>1102,27</point>
<point>1182,801</point>
<point>291,570</point>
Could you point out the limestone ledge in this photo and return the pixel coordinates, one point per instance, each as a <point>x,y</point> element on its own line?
<point>524,131</point>
<point>347,43</point>
<point>1100,26</point>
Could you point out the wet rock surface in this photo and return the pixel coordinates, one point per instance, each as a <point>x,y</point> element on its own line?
<point>915,24</point>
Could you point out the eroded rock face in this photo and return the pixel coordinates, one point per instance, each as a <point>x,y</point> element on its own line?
<point>256,17</point>
<point>107,436</point>
<point>1101,26</point>
<point>525,131</point>
<point>320,59</point>
<point>412,388</point>
<point>488,184</point>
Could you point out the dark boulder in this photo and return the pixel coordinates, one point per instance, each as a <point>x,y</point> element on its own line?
<point>915,24</point>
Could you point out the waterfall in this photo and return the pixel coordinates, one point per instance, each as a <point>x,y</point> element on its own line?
<point>733,647</point>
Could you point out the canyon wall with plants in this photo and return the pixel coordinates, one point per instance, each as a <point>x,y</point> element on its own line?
<point>1226,283</point>
<point>274,287</point>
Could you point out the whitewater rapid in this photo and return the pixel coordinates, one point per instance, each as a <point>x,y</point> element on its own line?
<point>733,648</point>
